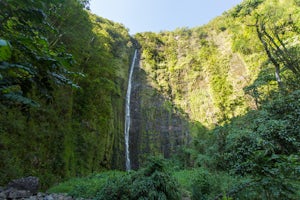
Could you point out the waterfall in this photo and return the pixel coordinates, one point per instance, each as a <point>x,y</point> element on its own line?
<point>127,114</point>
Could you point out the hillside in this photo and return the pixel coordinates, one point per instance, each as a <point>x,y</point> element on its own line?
<point>208,71</point>
<point>193,80</point>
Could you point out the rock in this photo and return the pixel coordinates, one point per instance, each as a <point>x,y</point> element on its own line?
<point>48,197</point>
<point>30,184</point>
<point>56,197</point>
<point>41,195</point>
<point>26,189</point>
<point>18,194</point>
<point>3,195</point>
<point>33,198</point>
<point>64,197</point>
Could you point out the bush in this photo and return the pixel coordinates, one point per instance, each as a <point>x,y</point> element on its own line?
<point>151,182</point>
<point>212,185</point>
<point>201,186</point>
<point>266,150</point>
<point>86,187</point>
<point>116,188</point>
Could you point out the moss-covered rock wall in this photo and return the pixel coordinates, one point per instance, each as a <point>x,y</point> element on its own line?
<point>77,129</point>
<point>158,127</point>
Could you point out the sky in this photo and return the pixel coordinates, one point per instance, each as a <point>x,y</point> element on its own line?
<point>160,15</point>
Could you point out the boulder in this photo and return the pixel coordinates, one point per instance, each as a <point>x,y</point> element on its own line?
<point>29,183</point>
<point>18,194</point>
<point>2,195</point>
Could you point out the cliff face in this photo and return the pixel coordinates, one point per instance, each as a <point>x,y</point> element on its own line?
<point>193,79</point>
<point>74,131</point>
<point>187,81</point>
<point>158,127</point>
<point>197,71</point>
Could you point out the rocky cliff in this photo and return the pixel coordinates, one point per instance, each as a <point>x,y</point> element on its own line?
<point>158,127</point>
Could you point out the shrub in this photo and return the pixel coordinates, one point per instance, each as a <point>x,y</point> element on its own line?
<point>151,182</point>
<point>213,185</point>
<point>201,186</point>
<point>86,187</point>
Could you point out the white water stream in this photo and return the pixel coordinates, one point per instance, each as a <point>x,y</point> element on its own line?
<point>127,114</point>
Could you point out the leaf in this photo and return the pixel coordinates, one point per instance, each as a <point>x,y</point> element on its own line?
<point>17,97</point>
<point>61,79</point>
<point>5,50</point>
<point>6,66</point>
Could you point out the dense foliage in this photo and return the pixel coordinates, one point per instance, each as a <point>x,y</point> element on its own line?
<point>204,70</point>
<point>237,76</point>
<point>150,182</point>
<point>263,146</point>
<point>62,77</point>
<point>87,187</point>
<point>153,181</point>
<point>221,101</point>
<point>28,63</point>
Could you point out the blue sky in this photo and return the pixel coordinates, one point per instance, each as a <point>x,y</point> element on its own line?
<point>160,15</point>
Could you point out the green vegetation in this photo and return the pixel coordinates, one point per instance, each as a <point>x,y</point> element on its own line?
<point>264,146</point>
<point>204,70</point>
<point>237,78</point>
<point>86,187</point>
<point>63,73</point>
<point>220,102</point>
<point>151,182</point>
<point>199,183</point>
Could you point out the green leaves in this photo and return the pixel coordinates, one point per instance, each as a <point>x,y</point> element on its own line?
<point>150,182</point>
<point>5,50</point>
<point>245,8</point>
<point>19,98</point>
<point>33,66</point>
<point>267,149</point>
<point>10,83</point>
<point>16,68</point>
<point>48,49</point>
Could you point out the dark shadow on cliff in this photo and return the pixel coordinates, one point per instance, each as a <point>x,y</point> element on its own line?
<point>158,127</point>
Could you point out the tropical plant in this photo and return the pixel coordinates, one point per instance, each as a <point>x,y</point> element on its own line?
<point>31,64</point>
<point>150,182</point>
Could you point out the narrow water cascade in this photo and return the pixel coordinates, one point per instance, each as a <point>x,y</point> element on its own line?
<point>127,114</point>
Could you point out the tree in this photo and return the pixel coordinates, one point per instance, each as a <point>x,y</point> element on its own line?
<point>272,37</point>
<point>264,146</point>
<point>29,65</point>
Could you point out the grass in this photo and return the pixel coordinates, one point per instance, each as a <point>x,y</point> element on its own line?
<point>86,187</point>
<point>184,178</point>
<point>218,182</point>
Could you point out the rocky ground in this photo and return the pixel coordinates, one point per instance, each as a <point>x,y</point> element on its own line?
<point>27,189</point>
<point>24,195</point>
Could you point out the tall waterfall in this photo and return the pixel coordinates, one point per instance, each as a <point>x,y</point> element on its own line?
<point>127,114</point>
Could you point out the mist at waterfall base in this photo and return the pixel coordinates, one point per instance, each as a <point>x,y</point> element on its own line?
<point>127,114</point>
